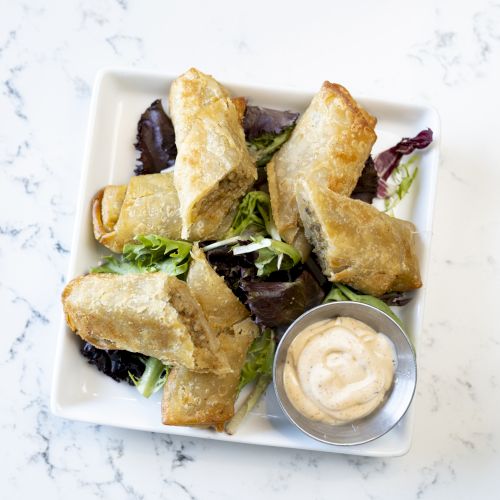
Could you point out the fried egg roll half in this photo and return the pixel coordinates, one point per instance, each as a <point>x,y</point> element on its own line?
<point>148,205</point>
<point>356,244</point>
<point>153,313</point>
<point>213,169</point>
<point>330,143</point>
<point>205,399</point>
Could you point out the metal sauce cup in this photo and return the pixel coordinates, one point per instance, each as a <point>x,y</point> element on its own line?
<point>397,400</point>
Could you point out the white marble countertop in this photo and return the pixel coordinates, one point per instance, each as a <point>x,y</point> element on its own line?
<point>446,52</point>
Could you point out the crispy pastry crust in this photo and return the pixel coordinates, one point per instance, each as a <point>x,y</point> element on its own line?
<point>219,304</point>
<point>331,142</point>
<point>189,94</point>
<point>191,398</point>
<point>213,169</point>
<point>357,244</point>
<point>240,103</point>
<point>207,399</point>
<point>148,205</point>
<point>154,314</point>
<point>106,206</point>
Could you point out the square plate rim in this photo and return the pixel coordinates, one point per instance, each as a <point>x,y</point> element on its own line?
<point>126,73</point>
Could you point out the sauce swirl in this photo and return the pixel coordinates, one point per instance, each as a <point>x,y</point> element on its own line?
<point>338,370</point>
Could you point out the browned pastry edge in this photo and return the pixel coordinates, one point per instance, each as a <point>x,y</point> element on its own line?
<point>96,207</point>
<point>353,105</point>
<point>240,103</point>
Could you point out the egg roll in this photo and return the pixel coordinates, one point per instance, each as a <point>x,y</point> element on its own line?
<point>153,313</point>
<point>213,169</point>
<point>330,144</point>
<point>191,398</point>
<point>207,399</point>
<point>111,205</point>
<point>148,205</point>
<point>356,244</point>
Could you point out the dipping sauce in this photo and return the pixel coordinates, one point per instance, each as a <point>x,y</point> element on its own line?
<point>338,370</point>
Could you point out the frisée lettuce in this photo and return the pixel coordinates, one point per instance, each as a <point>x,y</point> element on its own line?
<point>149,253</point>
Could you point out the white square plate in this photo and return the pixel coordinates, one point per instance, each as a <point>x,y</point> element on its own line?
<point>80,392</point>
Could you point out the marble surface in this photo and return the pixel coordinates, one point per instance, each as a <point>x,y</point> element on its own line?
<point>443,51</point>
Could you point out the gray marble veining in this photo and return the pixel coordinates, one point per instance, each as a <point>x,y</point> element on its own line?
<point>447,52</point>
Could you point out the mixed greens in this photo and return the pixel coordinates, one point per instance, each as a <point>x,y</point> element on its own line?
<point>153,379</point>
<point>399,183</point>
<point>266,130</point>
<point>264,272</point>
<point>254,216</point>
<point>385,177</point>
<point>149,253</point>
<point>258,368</point>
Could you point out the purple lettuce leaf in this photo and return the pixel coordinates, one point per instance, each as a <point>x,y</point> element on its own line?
<point>386,162</point>
<point>398,299</point>
<point>274,304</point>
<point>233,268</point>
<point>113,363</point>
<point>155,141</point>
<point>366,188</point>
<point>259,121</point>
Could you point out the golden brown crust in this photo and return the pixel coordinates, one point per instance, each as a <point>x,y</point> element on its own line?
<point>357,244</point>
<point>330,143</point>
<point>213,167</point>
<point>111,205</point>
<point>154,314</point>
<point>240,103</point>
<point>205,399</point>
<point>219,304</point>
<point>96,209</point>
<point>335,88</point>
<point>189,94</point>
<point>148,205</point>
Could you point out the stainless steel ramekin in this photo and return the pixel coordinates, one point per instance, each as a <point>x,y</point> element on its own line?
<point>389,413</point>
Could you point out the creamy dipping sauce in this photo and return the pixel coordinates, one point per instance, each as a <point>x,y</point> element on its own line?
<point>338,370</point>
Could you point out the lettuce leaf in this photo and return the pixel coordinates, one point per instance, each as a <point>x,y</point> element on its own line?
<point>263,148</point>
<point>148,254</point>
<point>258,367</point>
<point>155,141</point>
<point>386,162</point>
<point>233,268</point>
<point>118,365</point>
<point>259,121</point>
<point>341,292</point>
<point>252,399</point>
<point>273,255</point>
<point>111,264</point>
<point>399,183</point>
<point>279,303</point>
<point>153,379</point>
<point>266,130</point>
<point>366,187</point>
<point>254,216</point>
<point>155,253</point>
<point>259,360</point>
